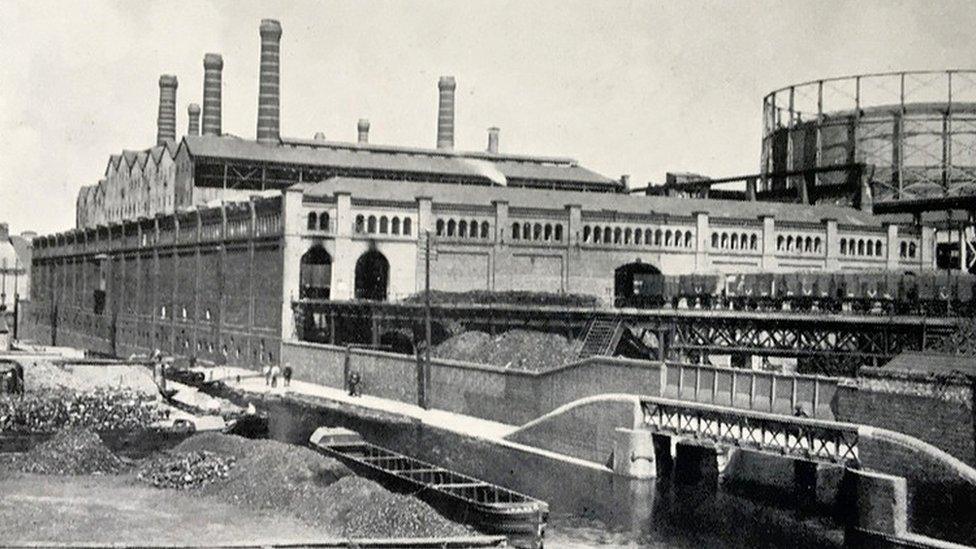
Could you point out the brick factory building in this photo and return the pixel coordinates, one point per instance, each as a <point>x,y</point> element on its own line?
<point>199,246</point>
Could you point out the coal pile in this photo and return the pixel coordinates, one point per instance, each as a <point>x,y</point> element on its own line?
<point>70,452</point>
<point>99,410</point>
<point>513,297</point>
<point>186,470</point>
<point>515,349</point>
<point>317,489</point>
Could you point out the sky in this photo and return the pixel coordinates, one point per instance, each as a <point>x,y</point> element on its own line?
<point>638,88</point>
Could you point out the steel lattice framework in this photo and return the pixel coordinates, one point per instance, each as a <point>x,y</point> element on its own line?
<point>916,130</point>
<point>814,440</point>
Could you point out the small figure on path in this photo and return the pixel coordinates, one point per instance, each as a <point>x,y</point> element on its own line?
<point>267,374</point>
<point>275,372</point>
<point>286,375</point>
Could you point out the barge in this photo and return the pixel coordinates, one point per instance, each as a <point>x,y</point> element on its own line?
<point>488,507</point>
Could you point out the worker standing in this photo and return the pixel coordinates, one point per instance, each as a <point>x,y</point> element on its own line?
<point>275,372</point>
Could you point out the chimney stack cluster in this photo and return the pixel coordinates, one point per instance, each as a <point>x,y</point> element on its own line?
<point>193,115</point>
<point>363,127</point>
<point>445,112</point>
<point>493,140</point>
<point>268,92</point>
<point>213,65</point>
<point>166,121</point>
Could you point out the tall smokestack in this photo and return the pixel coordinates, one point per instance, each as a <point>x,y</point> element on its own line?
<point>363,128</point>
<point>493,140</point>
<point>213,64</point>
<point>445,112</point>
<point>193,114</point>
<point>268,99</point>
<point>166,122</point>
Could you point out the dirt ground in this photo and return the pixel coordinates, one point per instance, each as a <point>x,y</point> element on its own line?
<point>100,509</point>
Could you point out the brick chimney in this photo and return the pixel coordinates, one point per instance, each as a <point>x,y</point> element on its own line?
<point>445,112</point>
<point>193,115</point>
<point>268,91</point>
<point>166,121</point>
<point>213,65</point>
<point>493,140</point>
<point>363,127</point>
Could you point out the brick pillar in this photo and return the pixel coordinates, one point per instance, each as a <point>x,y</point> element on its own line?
<point>891,246</point>
<point>292,251</point>
<point>769,262</point>
<point>832,245</point>
<point>344,260</point>
<point>701,242</point>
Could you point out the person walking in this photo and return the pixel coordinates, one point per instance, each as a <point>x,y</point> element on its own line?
<point>267,374</point>
<point>286,374</point>
<point>275,372</point>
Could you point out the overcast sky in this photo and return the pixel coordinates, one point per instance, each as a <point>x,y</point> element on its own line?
<point>636,88</point>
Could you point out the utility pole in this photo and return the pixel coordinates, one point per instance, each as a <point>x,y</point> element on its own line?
<point>425,400</point>
<point>16,297</point>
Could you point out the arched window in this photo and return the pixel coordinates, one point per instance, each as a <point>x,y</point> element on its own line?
<point>903,249</point>
<point>586,233</point>
<point>817,245</point>
<point>451,228</point>
<point>371,224</point>
<point>617,235</point>
<point>753,242</point>
<point>384,225</point>
<point>526,231</point>
<point>877,248</point>
<point>407,225</point>
<point>516,231</point>
<point>911,249</point>
<point>734,241</point>
<point>779,243</point>
<point>463,229</point>
<point>860,247</point>
<point>628,234</point>
<point>843,246</point>
<point>473,229</point>
<point>715,240</point>
<point>324,221</point>
<point>312,221</point>
<point>360,220</point>
<point>725,241</point>
<point>537,232</point>
<point>607,235</point>
<point>597,235</point>
<point>440,227</point>
<point>485,229</point>
<point>648,236</point>
<point>548,232</point>
<point>688,239</point>
<point>395,226</point>
<point>808,245</point>
<point>638,233</point>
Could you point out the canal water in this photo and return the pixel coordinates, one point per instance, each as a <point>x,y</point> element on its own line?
<point>654,514</point>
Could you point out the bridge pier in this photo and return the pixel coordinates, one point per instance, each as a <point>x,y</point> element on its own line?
<point>879,507</point>
<point>633,454</point>
<point>696,463</point>
<point>805,480</point>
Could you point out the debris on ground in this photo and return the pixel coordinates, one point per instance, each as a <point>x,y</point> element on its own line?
<point>317,489</point>
<point>513,297</point>
<point>76,451</point>
<point>99,410</point>
<point>41,376</point>
<point>516,349</point>
<point>186,470</point>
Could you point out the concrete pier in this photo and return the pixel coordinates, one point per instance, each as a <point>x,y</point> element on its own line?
<point>633,454</point>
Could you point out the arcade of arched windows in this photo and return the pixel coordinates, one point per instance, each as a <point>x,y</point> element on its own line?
<point>537,231</point>
<point>861,247</point>
<point>638,236</point>
<point>907,250</point>
<point>799,244</point>
<point>730,240</point>
<point>318,221</point>
<point>383,224</point>
<point>462,228</point>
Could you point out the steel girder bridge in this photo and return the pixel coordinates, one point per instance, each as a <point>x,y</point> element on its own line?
<point>836,343</point>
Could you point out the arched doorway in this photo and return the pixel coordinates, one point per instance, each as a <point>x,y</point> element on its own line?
<point>315,275</point>
<point>638,285</point>
<point>372,276</point>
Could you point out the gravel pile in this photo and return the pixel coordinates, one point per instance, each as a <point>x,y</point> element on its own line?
<point>41,376</point>
<point>70,452</point>
<point>516,349</point>
<point>318,490</point>
<point>186,470</point>
<point>99,410</point>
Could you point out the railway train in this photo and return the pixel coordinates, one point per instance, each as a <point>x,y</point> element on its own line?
<point>935,293</point>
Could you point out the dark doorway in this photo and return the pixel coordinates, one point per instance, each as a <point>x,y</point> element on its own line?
<point>315,275</point>
<point>372,276</point>
<point>638,285</point>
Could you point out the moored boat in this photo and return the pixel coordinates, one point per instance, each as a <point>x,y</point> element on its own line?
<point>490,508</point>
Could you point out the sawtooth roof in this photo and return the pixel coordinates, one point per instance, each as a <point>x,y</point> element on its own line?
<point>555,199</point>
<point>399,159</point>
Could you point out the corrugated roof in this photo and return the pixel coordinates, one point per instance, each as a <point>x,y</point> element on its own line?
<point>385,158</point>
<point>556,199</point>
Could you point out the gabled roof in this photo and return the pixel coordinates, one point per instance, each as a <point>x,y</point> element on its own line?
<point>395,159</point>
<point>407,191</point>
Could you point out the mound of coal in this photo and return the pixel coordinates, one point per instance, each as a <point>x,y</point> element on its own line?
<point>316,489</point>
<point>71,452</point>
<point>517,349</point>
<point>98,410</point>
<point>186,470</point>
